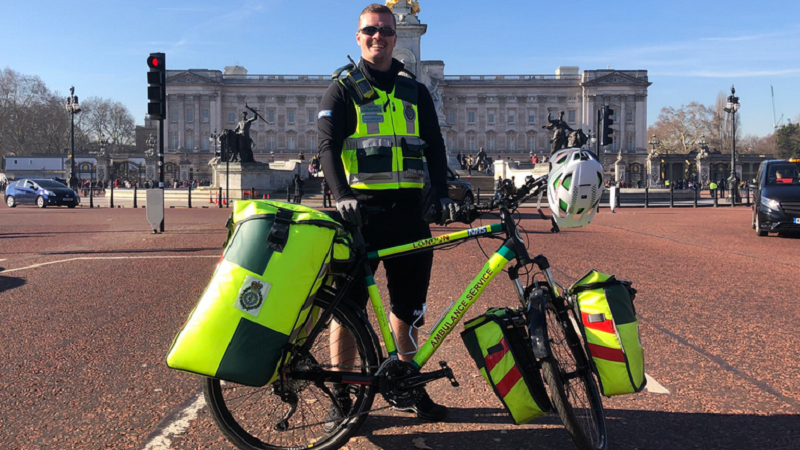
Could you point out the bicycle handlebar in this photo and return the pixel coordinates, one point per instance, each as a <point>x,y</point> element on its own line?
<point>506,198</point>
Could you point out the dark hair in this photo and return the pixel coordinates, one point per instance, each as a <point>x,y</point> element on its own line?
<point>377,8</point>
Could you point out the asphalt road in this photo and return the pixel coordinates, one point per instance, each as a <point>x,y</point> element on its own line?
<point>91,301</point>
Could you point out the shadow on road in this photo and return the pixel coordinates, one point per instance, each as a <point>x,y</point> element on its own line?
<point>143,251</point>
<point>627,429</point>
<point>7,283</point>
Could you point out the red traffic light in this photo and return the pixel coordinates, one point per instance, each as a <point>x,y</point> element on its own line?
<point>156,61</point>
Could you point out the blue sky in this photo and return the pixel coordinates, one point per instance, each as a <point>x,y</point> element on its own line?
<point>692,49</point>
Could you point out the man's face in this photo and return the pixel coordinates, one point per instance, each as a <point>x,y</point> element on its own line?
<point>376,48</point>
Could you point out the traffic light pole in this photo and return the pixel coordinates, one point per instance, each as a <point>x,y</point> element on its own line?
<point>161,160</point>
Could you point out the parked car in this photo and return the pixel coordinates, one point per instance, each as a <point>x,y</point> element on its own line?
<point>458,190</point>
<point>776,190</point>
<point>40,192</point>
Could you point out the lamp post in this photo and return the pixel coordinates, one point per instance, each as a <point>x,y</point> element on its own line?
<point>654,142</point>
<point>72,108</point>
<point>733,182</point>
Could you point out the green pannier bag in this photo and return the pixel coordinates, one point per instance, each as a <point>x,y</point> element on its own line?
<point>498,342</point>
<point>260,295</point>
<point>611,332</point>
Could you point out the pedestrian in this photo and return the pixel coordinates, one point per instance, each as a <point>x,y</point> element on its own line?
<point>499,183</point>
<point>469,164</point>
<point>298,188</point>
<point>459,158</point>
<point>401,221</point>
<point>326,194</point>
<point>535,159</point>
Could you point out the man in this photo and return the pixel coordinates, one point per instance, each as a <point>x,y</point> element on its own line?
<point>298,188</point>
<point>326,194</point>
<point>401,111</point>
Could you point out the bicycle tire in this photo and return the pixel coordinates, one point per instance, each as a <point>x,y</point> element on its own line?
<point>571,384</point>
<point>248,416</point>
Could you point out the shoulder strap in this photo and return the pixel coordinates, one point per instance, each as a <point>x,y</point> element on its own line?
<point>406,89</point>
<point>279,233</point>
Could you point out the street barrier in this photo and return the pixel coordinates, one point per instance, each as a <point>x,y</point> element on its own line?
<point>135,187</point>
<point>671,196</point>
<point>647,197</point>
<point>219,197</point>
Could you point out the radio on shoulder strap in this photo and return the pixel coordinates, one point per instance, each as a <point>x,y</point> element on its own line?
<point>355,82</point>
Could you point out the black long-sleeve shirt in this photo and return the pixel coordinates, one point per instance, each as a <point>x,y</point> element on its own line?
<point>341,122</point>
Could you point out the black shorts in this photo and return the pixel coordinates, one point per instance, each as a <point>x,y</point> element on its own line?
<point>407,276</point>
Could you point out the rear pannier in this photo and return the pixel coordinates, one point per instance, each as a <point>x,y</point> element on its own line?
<point>499,344</point>
<point>260,295</point>
<point>611,331</point>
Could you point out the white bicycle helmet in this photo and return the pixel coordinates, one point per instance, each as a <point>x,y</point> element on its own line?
<point>574,187</point>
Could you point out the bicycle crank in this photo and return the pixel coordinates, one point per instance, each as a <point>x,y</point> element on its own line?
<point>401,382</point>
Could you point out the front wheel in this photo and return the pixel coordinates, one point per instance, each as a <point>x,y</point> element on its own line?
<point>570,382</point>
<point>41,202</point>
<point>10,201</point>
<point>298,415</point>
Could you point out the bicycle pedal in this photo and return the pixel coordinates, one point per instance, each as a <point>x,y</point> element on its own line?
<point>449,373</point>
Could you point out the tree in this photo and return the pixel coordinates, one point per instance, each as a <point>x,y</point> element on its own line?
<point>680,129</point>
<point>788,141</point>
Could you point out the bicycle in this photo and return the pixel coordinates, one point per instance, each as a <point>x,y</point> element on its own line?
<point>293,412</point>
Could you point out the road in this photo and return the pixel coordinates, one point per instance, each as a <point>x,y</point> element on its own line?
<point>91,301</point>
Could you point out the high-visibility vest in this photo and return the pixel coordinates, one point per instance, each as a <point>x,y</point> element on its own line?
<point>386,151</point>
<point>712,186</point>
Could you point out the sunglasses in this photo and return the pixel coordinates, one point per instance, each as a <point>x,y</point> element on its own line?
<point>371,30</point>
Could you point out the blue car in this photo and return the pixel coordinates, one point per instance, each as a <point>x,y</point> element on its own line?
<point>40,192</point>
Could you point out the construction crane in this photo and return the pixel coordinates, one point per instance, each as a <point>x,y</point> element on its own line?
<point>776,123</point>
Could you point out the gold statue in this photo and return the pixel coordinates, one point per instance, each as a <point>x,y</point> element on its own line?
<point>412,3</point>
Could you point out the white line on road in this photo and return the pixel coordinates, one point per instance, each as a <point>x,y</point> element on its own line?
<point>654,386</point>
<point>178,426</point>
<point>89,258</point>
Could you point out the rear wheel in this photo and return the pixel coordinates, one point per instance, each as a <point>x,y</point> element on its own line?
<point>255,417</point>
<point>10,201</point>
<point>569,379</point>
<point>41,202</point>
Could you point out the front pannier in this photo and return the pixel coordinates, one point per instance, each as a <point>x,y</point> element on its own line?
<point>611,331</point>
<point>260,295</point>
<point>498,342</point>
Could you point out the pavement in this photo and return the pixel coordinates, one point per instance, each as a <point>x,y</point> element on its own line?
<point>92,300</point>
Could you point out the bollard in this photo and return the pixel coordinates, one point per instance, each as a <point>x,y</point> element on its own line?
<point>112,195</point>
<point>210,196</point>
<point>696,190</point>
<point>715,197</point>
<point>253,193</point>
<point>647,197</point>
<point>671,196</point>
<point>619,197</point>
<point>190,195</point>
<point>219,197</point>
<point>478,198</point>
<point>135,186</point>
<point>747,194</point>
<point>91,196</point>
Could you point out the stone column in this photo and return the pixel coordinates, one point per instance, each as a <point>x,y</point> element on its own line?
<point>703,166</point>
<point>653,170</point>
<point>184,168</point>
<point>151,169</point>
<point>103,168</point>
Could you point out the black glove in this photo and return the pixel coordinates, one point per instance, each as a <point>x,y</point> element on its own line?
<point>349,210</point>
<point>449,209</point>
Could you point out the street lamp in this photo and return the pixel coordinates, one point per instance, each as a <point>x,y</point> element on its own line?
<point>72,108</point>
<point>731,107</point>
<point>654,142</point>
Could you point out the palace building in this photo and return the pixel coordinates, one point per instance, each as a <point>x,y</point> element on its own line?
<point>502,113</point>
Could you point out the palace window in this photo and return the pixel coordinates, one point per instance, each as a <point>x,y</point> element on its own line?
<point>629,116</point>
<point>189,114</point>
<point>231,116</point>
<point>204,115</point>
<point>471,116</point>
<point>490,143</point>
<point>629,142</point>
<point>190,141</point>
<point>512,143</point>
<point>312,115</point>
<point>571,115</point>
<point>290,117</point>
<point>290,142</point>
<point>531,116</point>
<point>173,115</point>
<point>472,141</point>
<point>205,142</point>
<point>311,142</point>
<point>532,142</point>
<point>271,115</point>
<point>512,116</point>
<point>173,142</point>
<point>512,98</point>
<point>490,114</point>
<point>451,117</point>
<point>271,143</point>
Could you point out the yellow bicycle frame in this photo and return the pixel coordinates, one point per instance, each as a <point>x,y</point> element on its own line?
<point>447,323</point>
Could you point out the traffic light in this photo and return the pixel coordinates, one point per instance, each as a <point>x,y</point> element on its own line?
<point>157,87</point>
<point>605,126</point>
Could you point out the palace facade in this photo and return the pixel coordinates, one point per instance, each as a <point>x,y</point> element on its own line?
<point>502,113</point>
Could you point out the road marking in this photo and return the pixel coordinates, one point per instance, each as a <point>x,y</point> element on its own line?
<point>654,386</point>
<point>177,426</point>
<point>89,258</point>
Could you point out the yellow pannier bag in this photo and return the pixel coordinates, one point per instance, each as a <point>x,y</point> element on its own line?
<point>500,346</point>
<point>260,295</point>
<point>611,332</point>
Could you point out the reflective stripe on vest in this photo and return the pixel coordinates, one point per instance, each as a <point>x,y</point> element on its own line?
<point>385,152</point>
